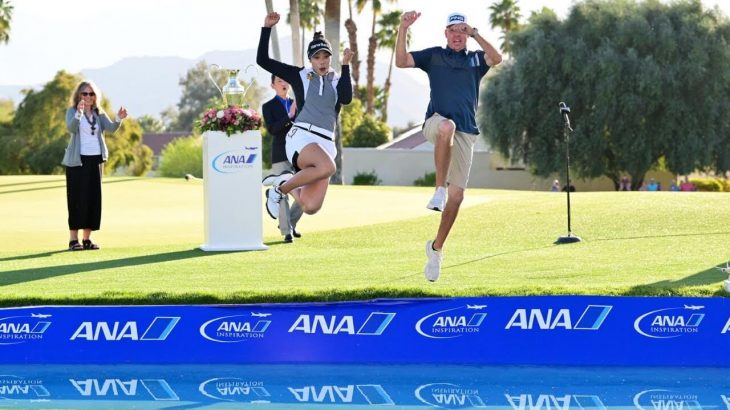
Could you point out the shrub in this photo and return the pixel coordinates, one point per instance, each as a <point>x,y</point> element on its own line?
<point>182,156</point>
<point>370,133</point>
<point>351,117</point>
<point>429,179</point>
<point>266,143</point>
<point>366,178</point>
<point>707,184</point>
<point>725,184</point>
<point>142,162</point>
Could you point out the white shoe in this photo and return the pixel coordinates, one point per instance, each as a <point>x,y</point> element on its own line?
<point>280,179</point>
<point>433,266</point>
<point>438,201</point>
<point>269,179</point>
<point>273,197</point>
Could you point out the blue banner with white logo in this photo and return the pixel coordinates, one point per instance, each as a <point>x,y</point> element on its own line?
<point>541,330</point>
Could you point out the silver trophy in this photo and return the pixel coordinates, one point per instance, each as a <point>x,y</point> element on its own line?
<point>233,91</point>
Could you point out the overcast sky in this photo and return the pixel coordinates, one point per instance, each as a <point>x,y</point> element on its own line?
<point>50,35</point>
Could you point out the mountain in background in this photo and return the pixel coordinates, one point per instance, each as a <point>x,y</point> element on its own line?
<point>149,85</point>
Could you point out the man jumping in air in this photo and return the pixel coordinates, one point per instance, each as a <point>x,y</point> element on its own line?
<point>454,75</point>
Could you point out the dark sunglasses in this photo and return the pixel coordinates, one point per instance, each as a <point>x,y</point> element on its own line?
<point>91,94</point>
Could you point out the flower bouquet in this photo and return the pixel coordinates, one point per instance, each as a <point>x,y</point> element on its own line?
<point>230,120</point>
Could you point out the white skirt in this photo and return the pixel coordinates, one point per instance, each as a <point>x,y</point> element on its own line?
<point>298,138</point>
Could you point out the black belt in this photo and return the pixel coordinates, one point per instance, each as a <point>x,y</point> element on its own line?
<point>314,132</point>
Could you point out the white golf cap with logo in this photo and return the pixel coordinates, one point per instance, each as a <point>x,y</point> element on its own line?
<point>455,18</point>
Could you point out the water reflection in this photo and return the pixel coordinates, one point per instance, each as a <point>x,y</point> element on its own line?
<point>292,386</point>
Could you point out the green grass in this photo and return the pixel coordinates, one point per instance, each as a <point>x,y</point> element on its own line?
<point>367,242</point>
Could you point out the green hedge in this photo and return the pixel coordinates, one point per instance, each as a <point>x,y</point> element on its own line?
<point>428,179</point>
<point>182,156</point>
<point>366,178</point>
<point>708,184</point>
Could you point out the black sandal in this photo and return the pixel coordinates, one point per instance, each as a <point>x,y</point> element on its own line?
<point>88,245</point>
<point>74,245</point>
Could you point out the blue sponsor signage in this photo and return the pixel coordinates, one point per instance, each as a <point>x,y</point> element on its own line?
<point>541,330</point>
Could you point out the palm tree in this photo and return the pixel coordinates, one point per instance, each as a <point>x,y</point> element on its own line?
<point>310,17</point>
<point>295,39</point>
<point>386,38</point>
<point>332,32</point>
<point>505,14</point>
<point>352,38</point>
<point>372,46</point>
<point>332,29</point>
<point>6,14</point>
<point>274,35</point>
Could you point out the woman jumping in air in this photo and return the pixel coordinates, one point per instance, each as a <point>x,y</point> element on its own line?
<point>319,92</point>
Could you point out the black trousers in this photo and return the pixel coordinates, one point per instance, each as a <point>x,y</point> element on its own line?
<point>83,194</point>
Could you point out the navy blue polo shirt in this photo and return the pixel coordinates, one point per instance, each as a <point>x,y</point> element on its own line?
<point>454,78</point>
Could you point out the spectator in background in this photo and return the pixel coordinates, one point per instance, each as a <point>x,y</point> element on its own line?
<point>673,187</point>
<point>687,186</point>
<point>555,187</point>
<point>84,160</point>
<point>652,185</point>
<point>279,113</point>
<point>624,184</point>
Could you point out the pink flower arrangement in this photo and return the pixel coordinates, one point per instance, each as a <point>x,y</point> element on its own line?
<point>229,120</point>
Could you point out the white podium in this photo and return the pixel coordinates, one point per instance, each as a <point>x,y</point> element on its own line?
<point>232,186</point>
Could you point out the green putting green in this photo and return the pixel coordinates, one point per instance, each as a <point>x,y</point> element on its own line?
<point>367,242</point>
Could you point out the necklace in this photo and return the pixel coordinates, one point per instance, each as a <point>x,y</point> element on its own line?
<point>92,122</point>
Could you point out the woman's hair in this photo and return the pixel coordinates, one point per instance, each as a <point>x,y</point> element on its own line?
<point>76,97</point>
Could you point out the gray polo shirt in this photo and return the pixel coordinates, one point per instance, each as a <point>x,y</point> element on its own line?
<point>454,79</point>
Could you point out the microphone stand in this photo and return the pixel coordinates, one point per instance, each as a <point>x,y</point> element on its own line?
<point>565,110</point>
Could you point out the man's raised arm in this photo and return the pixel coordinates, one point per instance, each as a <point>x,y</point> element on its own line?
<point>404,59</point>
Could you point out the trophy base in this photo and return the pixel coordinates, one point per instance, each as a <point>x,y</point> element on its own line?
<point>219,248</point>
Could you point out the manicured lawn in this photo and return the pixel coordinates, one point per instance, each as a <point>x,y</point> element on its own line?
<point>366,243</point>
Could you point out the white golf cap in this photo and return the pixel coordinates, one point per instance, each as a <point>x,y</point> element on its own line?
<point>455,18</point>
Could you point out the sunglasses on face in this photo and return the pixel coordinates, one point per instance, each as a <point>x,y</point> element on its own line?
<point>91,94</point>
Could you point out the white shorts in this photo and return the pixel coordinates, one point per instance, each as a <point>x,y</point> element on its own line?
<point>298,138</point>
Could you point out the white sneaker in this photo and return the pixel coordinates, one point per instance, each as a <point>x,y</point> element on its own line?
<point>273,197</point>
<point>285,176</point>
<point>433,266</point>
<point>269,179</point>
<point>438,201</point>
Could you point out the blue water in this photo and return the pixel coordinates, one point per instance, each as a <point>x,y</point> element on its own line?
<point>316,386</point>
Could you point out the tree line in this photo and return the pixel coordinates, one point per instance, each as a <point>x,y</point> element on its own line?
<point>648,84</point>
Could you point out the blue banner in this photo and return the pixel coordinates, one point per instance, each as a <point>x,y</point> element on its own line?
<point>544,330</point>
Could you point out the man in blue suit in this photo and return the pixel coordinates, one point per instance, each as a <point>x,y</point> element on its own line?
<point>279,113</point>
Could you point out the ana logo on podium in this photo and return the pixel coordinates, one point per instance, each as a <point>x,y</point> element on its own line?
<point>235,161</point>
